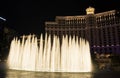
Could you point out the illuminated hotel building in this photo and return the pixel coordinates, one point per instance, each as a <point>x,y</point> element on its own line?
<point>102,30</point>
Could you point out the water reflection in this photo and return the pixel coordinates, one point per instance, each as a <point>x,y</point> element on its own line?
<point>23,74</point>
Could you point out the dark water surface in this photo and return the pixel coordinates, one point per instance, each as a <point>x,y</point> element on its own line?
<point>5,73</point>
<point>27,74</point>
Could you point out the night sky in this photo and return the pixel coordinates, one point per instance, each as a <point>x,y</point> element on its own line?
<point>28,16</point>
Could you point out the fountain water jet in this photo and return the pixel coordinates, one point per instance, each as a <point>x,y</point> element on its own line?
<point>73,55</point>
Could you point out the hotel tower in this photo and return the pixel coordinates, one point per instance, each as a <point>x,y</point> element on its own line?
<point>102,30</point>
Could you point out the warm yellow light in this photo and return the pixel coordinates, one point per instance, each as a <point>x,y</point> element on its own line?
<point>90,10</point>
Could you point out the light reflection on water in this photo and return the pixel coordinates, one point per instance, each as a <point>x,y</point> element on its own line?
<point>24,74</point>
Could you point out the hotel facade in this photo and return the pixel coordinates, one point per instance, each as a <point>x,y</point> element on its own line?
<point>102,30</point>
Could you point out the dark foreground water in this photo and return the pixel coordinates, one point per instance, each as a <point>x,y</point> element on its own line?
<point>5,73</point>
<point>25,74</point>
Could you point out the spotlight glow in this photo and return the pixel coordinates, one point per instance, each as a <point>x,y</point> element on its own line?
<point>2,18</point>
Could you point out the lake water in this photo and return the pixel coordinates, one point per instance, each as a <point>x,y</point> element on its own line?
<point>27,74</point>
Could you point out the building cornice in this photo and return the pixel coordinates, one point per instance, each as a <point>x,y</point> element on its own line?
<point>70,17</point>
<point>106,13</point>
<point>51,23</point>
<point>84,16</point>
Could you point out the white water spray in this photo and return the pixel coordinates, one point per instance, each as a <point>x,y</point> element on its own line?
<point>73,55</point>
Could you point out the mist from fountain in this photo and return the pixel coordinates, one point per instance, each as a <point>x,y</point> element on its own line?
<point>47,55</point>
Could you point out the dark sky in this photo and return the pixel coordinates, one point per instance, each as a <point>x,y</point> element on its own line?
<point>28,16</point>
